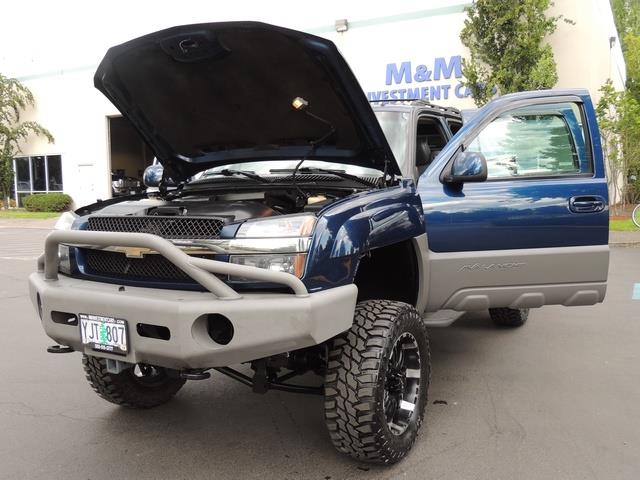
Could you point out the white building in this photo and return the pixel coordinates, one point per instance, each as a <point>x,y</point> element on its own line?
<point>402,49</point>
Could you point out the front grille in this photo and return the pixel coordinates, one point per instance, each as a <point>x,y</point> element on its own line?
<point>170,227</point>
<point>151,267</point>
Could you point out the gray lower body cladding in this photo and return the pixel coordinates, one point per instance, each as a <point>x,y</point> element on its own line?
<point>264,323</point>
<point>519,278</point>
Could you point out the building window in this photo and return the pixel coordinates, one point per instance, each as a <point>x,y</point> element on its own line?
<point>37,174</point>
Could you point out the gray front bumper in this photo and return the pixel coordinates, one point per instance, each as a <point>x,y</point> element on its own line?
<point>264,323</point>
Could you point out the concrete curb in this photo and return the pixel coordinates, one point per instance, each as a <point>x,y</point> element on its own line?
<point>624,239</point>
<point>37,223</point>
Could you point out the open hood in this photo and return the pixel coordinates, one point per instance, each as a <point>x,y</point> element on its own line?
<point>217,93</point>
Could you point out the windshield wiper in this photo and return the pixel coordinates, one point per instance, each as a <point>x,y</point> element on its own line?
<point>201,184</point>
<point>337,173</point>
<point>229,173</point>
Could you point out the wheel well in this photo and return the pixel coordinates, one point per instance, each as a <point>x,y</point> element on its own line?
<point>389,273</point>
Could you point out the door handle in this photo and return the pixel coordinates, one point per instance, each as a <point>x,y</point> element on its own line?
<point>587,204</point>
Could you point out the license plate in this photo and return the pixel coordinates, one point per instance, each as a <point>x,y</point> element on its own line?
<point>106,334</point>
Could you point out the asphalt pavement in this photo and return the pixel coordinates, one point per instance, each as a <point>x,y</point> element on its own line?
<point>556,399</point>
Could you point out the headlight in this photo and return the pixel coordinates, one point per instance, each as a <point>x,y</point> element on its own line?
<point>64,223</point>
<point>279,232</point>
<point>280,226</point>
<point>292,263</point>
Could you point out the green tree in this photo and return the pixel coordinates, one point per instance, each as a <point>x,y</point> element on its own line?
<point>632,61</point>
<point>619,112</point>
<point>14,99</point>
<point>507,50</point>
<point>626,14</point>
<point>619,121</point>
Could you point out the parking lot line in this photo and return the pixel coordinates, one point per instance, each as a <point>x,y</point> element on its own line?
<point>636,292</point>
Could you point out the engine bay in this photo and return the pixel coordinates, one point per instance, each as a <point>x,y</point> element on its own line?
<point>232,206</point>
<point>242,206</point>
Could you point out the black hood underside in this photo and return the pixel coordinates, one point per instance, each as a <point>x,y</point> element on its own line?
<point>219,93</point>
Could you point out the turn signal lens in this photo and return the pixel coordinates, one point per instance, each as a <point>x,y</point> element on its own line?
<point>293,264</point>
<point>64,262</point>
<point>65,221</point>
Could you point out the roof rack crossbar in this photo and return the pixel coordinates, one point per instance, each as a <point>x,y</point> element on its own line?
<point>418,101</point>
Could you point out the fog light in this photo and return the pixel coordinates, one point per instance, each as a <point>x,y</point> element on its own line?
<point>219,328</point>
<point>289,263</point>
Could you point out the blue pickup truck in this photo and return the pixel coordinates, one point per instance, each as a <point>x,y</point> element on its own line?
<point>321,230</point>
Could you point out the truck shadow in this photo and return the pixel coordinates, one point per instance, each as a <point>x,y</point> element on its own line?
<point>221,426</point>
<point>473,321</point>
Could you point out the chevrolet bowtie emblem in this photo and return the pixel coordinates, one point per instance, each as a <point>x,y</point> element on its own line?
<point>134,252</point>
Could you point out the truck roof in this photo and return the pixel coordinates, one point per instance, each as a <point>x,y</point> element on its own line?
<point>413,104</point>
<point>455,113</point>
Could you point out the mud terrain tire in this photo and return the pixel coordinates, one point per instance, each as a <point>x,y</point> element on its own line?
<point>509,317</point>
<point>364,382</point>
<point>129,389</point>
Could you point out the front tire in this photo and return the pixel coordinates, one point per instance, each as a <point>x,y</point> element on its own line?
<point>509,317</point>
<point>136,387</point>
<point>376,383</point>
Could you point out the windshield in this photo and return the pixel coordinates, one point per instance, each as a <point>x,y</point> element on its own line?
<point>394,127</point>
<point>271,167</point>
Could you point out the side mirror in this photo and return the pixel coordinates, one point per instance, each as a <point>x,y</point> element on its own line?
<point>153,175</point>
<point>467,167</point>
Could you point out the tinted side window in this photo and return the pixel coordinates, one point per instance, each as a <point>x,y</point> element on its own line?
<point>433,132</point>
<point>535,141</point>
<point>454,126</point>
<point>430,140</point>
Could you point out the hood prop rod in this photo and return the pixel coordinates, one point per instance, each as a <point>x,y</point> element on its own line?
<point>302,105</point>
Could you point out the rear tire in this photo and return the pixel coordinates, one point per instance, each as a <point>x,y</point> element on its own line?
<point>509,317</point>
<point>376,383</point>
<point>133,387</point>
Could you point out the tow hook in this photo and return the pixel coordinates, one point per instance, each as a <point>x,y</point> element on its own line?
<point>195,374</point>
<point>59,349</point>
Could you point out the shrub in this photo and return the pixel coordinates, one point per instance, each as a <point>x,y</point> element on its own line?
<point>12,203</point>
<point>47,202</point>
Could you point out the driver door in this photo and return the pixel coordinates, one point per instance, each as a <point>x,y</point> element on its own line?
<point>535,232</point>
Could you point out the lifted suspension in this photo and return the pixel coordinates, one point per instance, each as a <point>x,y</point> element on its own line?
<point>261,384</point>
<point>266,372</point>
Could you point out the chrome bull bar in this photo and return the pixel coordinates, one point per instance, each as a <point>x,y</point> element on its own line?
<point>199,269</point>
